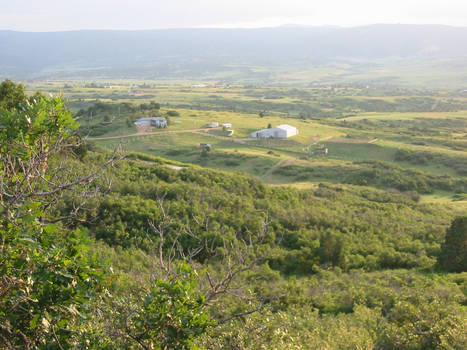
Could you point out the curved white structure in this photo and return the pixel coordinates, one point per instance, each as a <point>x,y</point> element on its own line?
<point>280,132</point>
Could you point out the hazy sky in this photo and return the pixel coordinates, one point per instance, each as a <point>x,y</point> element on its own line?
<point>53,15</point>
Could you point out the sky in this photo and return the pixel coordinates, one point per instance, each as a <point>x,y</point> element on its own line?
<point>57,15</point>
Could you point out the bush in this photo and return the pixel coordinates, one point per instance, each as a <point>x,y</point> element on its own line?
<point>453,256</point>
<point>173,113</point>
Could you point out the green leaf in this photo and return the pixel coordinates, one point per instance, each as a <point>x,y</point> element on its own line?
<point>34,321</point>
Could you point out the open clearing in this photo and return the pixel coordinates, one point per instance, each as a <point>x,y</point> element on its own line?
<point>264,158</point>
<point>357,140</point>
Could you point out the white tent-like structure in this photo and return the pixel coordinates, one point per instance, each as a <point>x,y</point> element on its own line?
<point>280,132</point>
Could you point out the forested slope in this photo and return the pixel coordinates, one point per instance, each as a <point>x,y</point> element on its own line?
<point>349,227</point>
<point>119,251</point>
<point>345,267</point>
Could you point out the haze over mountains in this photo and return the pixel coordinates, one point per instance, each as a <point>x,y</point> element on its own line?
<point>170,53</point>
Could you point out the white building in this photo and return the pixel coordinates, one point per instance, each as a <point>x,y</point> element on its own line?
<point>289,130</point>
<point>227,125</point>
<point>158,122</point>
<point>280,132</point>
<point>213,125</point>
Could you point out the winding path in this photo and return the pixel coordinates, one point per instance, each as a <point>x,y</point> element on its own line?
<point>274,167</point>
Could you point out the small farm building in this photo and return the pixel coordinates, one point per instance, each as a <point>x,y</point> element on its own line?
<point>323,151</point>
<point>227,125</point>
<point>212,125</point>
<point>280,132</point>
<point>158,122</point>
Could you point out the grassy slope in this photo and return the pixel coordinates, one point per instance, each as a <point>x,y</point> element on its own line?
<point>262,158</point>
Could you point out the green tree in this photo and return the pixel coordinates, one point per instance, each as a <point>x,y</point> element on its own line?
<point>11,94</point>
<point>173,113</point>
<point>453,256</point>
<point>155,105</point>
<point>46,275</point>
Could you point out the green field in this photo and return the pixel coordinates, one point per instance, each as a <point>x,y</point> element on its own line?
<point>405,140</point>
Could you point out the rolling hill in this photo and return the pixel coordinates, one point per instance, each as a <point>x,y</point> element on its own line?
<point>153,54</point>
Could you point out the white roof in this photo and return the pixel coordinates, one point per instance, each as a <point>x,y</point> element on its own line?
<point>268,129</point>
<point>150,118</point>
<point>286,127</point>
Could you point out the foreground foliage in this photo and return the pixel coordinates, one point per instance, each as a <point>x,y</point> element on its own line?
<point>50,286</point>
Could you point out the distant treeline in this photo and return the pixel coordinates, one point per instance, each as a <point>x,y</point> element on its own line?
<point>326,106</point>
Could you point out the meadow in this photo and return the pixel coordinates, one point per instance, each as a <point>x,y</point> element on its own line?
<point>404,139</point>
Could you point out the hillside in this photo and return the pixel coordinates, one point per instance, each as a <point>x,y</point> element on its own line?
<point>338,265</point>
<point>106,249</point>
<point>230,54</point>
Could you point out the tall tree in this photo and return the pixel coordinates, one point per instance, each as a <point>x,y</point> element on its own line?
<point>453,256</point>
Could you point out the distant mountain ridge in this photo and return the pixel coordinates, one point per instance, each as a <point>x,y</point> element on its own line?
<point>197,50</point>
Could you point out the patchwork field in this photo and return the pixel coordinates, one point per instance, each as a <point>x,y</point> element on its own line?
<point>407,141</point>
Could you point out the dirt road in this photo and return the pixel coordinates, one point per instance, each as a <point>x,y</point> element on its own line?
<point>200,131</point>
